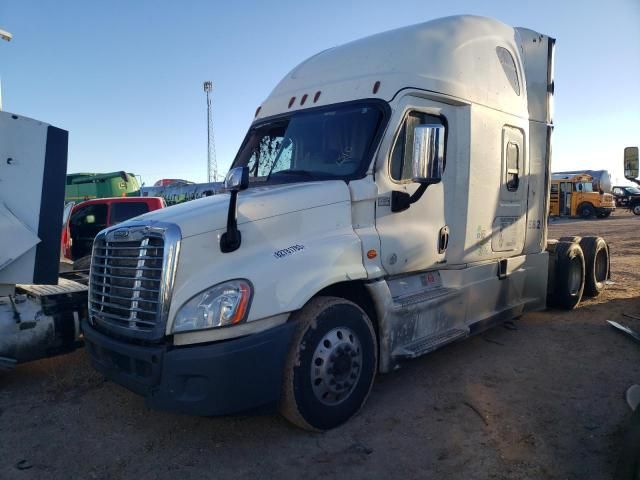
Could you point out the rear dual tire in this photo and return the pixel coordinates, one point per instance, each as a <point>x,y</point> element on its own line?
<point>568,274</point>
<point>596,259</point>
<point>578,266</point>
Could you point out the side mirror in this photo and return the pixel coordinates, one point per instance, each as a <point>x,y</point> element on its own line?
<point>428,164</point>
<point>631,163</point>
<point>428,153</point>
<point>237,179</point>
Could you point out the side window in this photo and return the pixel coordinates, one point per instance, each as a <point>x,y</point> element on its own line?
<point>509,67</point>
<point>402,152</point>
<point>125,210</point>
<point>513,166</point>
<point>95,214</point>
<point>267,151</point>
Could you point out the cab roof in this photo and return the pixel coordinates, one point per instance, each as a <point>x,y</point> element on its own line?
<point>459,56</point>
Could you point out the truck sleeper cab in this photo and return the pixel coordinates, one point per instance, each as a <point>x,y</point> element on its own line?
<point>390,197</point>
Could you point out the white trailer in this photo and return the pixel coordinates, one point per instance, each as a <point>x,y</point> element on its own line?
<point>389,198</point>
<point>39,312</point>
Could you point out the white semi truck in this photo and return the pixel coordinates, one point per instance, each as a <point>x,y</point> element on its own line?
<point>389,198</point>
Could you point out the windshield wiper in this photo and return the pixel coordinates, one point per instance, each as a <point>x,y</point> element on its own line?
<point>292,171</point>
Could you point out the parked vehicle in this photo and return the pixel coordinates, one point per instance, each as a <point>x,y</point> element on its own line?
<point>177,192</point>
<point>600,179</point>
<point>40,312</point>
<point>573,195</point>
<point>88,218</point>
<point>85,186</point>
<point>390,197</point>
<point>627,197</point>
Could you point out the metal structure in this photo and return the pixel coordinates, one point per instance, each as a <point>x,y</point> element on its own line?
<point>212,164</point>
<point>7,36</point>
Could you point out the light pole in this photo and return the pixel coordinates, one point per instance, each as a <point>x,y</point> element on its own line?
<point>212,165</point>
<point>4,35</point>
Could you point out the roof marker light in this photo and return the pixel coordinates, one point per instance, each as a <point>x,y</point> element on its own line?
<point>376,87</point>
<point>293,99</point>
<point>303,99</point>
<point>257,111</point>
<point>316,96</point>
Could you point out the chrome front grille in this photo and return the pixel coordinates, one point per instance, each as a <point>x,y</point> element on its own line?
<point>132,269</point>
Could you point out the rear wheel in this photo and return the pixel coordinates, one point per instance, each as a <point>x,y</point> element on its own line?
<point>636,209</point>
<point>331,364</point>
<point>586,210</point>
<point>596,260</point>
<point>568,274</point>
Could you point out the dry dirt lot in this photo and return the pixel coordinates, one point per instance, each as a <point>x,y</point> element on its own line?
<point>540,399</point>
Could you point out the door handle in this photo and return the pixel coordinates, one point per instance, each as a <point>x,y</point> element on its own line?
<point>443,239</point>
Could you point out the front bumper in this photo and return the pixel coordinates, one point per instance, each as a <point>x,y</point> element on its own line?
<point>206,379</point>
<point>605,209</point>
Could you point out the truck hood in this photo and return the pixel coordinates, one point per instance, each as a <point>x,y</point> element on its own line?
<point>256,203</point>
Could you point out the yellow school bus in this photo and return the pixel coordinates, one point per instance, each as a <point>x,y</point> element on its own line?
<point>573,196</point>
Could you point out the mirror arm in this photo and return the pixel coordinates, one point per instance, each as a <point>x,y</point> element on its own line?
<point>231,239</point>
<point>417,195</point>
<point>400,201</point>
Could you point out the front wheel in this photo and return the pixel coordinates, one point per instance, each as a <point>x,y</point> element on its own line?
<point>331,364</point>
<point>586,211</point>
<point>636,209</point>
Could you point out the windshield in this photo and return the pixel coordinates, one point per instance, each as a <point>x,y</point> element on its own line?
<point>584,187</point>
<point>328,143</point>
<point>633,190</point>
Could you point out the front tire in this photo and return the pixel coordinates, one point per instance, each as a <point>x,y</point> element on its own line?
<point>586,211</point>
<point>331,365</point>
<point>636,209</point>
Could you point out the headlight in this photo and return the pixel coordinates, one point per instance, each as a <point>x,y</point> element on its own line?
<point>219,306</point>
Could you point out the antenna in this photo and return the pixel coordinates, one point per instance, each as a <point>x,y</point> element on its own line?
<point>212,165</point>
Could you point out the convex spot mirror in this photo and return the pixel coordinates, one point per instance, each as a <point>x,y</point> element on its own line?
<point>428,153</point>
<point>237,179</point>
<point>631,163</point>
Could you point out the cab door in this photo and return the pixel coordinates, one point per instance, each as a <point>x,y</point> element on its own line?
<point>511,211</point>
<point>414,239</point>
<point>565,198</point>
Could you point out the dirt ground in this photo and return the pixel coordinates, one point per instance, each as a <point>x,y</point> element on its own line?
<point>541,398</point>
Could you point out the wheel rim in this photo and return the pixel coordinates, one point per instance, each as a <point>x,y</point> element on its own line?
<point>336,366</point>
<point>601,266</point>
<point>636,209</point>
<point>575,276</point>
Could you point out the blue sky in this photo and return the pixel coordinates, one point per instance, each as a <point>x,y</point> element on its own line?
<point>125,77</point>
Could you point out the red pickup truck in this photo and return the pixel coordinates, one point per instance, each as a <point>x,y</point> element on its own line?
<point>86,219</point>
